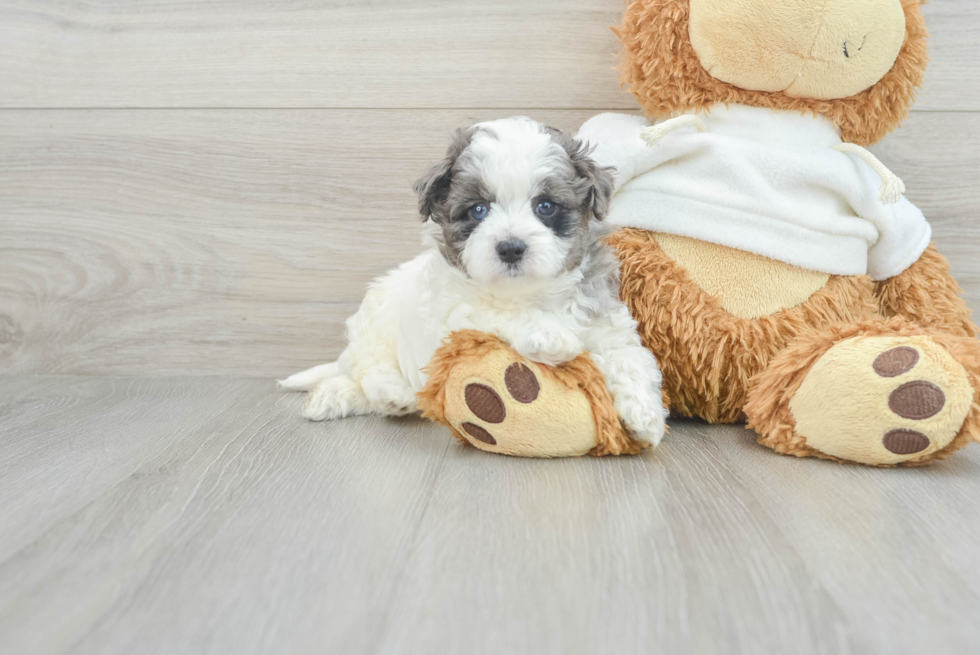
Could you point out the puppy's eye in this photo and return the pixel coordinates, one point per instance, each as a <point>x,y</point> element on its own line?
<point>479,212</point>
<point>546,209</point>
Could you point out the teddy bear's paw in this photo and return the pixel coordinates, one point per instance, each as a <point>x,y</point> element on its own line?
<point>513,408</point>
<point>883,400</point>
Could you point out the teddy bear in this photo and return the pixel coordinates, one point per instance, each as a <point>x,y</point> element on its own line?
<point>773,265</point>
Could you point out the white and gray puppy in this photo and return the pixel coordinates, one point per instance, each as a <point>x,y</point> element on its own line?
<point>514,248</point>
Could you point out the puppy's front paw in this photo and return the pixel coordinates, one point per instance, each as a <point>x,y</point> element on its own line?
<point>645,419</point>
<point>550,346</point>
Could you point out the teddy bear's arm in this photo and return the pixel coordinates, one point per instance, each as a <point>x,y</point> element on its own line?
<point>927,294</point>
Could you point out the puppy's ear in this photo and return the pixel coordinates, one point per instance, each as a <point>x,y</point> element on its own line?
<point>433,187</point>
<point>598,180</point>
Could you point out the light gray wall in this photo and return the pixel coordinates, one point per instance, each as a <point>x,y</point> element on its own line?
<point>205,188</point>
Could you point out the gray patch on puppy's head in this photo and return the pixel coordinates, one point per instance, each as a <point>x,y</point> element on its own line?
<point>444,191</point>
<point>433,187</point>
<point>467,190</point>
<point>450,189</point>
<point>583,189</point>
<point>593,183</point>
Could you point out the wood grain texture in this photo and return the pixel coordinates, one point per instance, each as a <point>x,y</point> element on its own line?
<point>343,53</point>
<point>665,553</point>
<point>887,549</point>
<point>238,241</point>
<point>200,516</point>
<point>293,53</point>
<point>205,516</point>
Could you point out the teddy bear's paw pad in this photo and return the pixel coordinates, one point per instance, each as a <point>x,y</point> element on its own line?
<point>485,403</point>
<point>917,400</point>
<point>883,400</point>
<point>479,434</point>
<point>905,442</point>
<point>522,384</point>
<point>514,408</point>
<point>894,362</point>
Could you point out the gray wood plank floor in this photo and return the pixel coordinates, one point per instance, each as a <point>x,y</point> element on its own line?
<point>203,515</point>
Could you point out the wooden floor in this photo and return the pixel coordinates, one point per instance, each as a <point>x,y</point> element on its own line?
<point>198,515</point>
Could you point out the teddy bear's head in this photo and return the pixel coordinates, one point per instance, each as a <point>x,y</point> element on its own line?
<point>858,62</point>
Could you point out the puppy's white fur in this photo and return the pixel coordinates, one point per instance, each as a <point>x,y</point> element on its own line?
<point>546,313</point>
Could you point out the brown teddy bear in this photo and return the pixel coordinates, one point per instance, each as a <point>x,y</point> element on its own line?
<point>774,267</point>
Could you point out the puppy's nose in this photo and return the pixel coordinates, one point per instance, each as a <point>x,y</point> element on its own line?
<point>511,251</point>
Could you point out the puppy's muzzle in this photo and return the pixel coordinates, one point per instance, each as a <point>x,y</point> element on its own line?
<point>511,251</point>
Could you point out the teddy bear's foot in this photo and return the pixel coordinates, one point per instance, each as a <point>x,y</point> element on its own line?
<point>496,400</point>
<point>882,394</point>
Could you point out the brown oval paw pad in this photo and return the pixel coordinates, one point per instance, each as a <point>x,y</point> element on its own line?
<point>485,403</point>
<point>479,433</point>
<point>521,383</point>
<point>917,400</point>
<point>905,442</point>
<point>896,361</point>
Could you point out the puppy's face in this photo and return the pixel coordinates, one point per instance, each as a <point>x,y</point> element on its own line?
<point>513,200</point>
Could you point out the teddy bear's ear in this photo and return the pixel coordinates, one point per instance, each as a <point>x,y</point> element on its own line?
<point>433,187</point>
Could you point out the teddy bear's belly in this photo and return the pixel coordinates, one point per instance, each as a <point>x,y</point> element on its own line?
<point>747,285</point>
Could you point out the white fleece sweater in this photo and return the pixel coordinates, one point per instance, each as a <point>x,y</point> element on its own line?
<point>762,181</point>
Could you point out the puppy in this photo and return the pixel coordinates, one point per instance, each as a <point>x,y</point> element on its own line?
<point>514,248</point>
